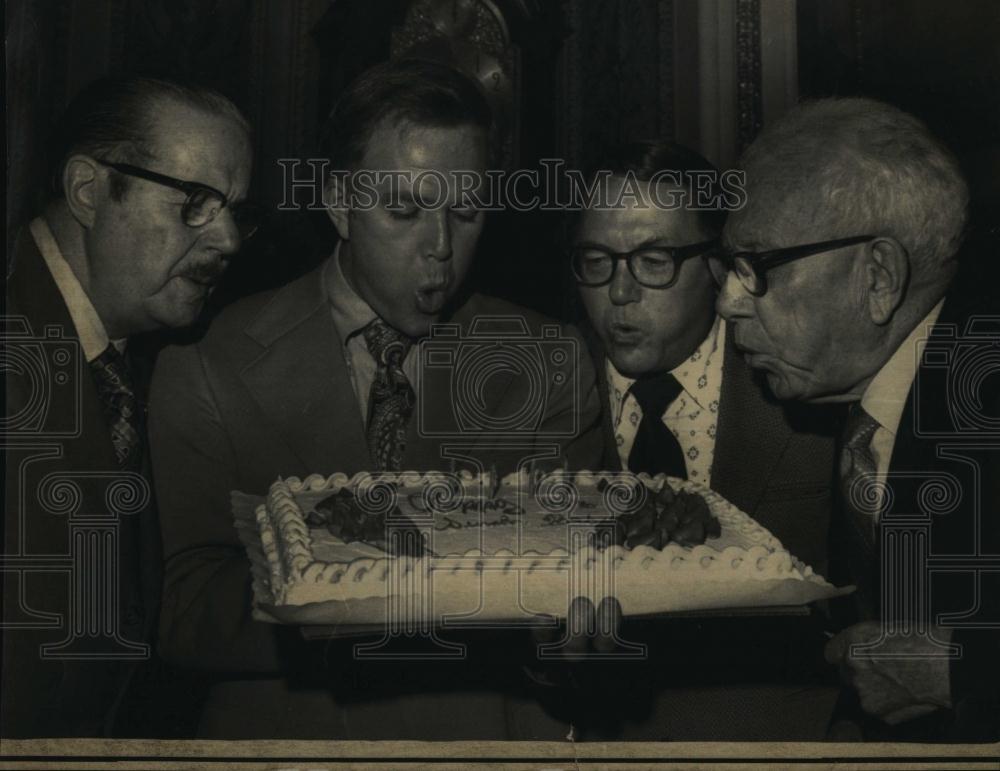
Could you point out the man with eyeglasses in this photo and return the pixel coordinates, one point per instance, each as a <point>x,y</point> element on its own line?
<point>144,212</point>
<point>677,399</point>
<point>836,280</point>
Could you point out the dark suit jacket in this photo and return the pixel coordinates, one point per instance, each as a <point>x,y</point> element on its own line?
<point>266,393</point>
<point>69,435</point>
<point>943,442</point>
<point>773,461</point>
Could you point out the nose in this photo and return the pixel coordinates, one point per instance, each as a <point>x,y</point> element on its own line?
<point>733,300</point>
<point>223,233</point>
<point>437,235</point>
<point>623,288</point>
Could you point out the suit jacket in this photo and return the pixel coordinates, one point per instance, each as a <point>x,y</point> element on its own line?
<point>67,434</point>
<point>773,461</point>
<point>266,393</point>
<point>943,442</point>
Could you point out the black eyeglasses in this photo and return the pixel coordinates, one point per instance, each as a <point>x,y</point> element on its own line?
<point>651,266</point>
<point>203,202</point>
<point>751,267</point>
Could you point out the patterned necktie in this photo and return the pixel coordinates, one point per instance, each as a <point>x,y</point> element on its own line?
<point>655,449</point>
<point>121,407</point>
<point>856,462</point>
<point>860,502</point>
<point>391,398</point>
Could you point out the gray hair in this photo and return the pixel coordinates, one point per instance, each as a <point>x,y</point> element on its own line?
<point>863,167</point>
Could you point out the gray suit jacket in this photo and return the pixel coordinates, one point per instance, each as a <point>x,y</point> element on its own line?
<point>266,393</point>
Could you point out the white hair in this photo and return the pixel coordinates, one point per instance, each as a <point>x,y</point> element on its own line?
<point>862,167</point>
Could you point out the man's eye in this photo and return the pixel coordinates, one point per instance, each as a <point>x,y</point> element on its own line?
<point>653,261</point>
<point>403,212</point>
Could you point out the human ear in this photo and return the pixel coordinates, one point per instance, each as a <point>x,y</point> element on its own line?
<point>887,276</point>
<point>82,188</point>
<point>335,197</point>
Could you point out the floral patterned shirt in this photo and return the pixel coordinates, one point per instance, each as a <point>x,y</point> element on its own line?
<point>692,417</point>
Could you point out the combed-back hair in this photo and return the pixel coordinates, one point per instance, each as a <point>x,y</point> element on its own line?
<point>112,119</point>
<point>654,158</point>
<point>422,92</point>
<point>858,166</point>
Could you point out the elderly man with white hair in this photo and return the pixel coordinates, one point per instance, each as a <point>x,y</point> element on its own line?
<point>835,278</point>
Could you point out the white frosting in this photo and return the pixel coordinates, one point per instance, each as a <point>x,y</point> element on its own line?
<point>747,560</point>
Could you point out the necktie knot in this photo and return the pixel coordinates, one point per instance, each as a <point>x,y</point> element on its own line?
<point>387,345</point>
<point>655,449</point>
<point>860,428</point>
<point>655,393</point>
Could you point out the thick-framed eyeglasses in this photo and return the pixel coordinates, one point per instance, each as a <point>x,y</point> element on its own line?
<point>203,202</point>
<point>655,267</point>
<point>751,267</point>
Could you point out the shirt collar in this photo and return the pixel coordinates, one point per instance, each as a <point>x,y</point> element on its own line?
<point>89,327</point>
<point>351,314</point>
<point>704,361</point>
<point>885,396</point>
<point>701,364</point>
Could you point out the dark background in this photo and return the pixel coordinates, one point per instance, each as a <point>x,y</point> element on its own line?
<point>588,73</point>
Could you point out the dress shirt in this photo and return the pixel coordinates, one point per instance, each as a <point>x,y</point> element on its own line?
<point>89,327</point>
<point>692,417</point>
<point>886,395</point>
<point>351,315</point>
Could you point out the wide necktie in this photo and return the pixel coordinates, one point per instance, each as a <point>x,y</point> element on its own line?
<point>655,449</point>
<point>856,463</point>
<point>391,398</point>
<point>121,407</point>
<point>861,500</point>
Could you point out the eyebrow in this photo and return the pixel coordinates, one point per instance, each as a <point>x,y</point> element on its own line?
<point>648,243</point>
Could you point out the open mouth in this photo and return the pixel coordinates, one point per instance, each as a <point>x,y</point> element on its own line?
<point>431,299</point>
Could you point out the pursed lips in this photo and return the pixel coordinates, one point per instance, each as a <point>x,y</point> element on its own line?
<point>624,333</point>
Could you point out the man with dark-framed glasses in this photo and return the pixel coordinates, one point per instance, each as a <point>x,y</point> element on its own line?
<point>837,279</point>
<point>677,399</point>
<point>145,209</point>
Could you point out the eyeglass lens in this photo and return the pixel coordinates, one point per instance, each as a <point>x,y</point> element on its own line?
<point>203,206</point>
<point>653,268</point>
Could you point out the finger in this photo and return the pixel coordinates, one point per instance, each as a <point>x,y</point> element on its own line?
<point>580,626</point>
<point>609,616</point>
